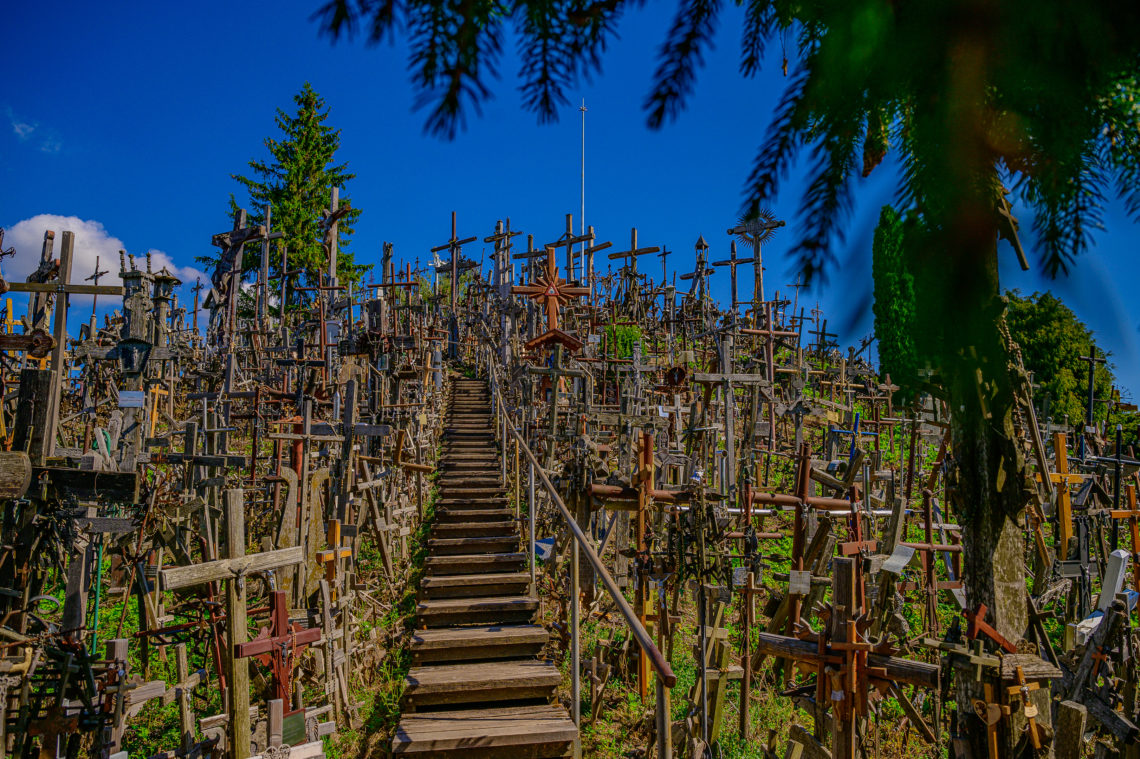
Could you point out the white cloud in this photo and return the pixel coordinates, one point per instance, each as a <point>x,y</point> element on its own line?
<point>51,145</point>
<point>22,129</point>
<point>92,240</point>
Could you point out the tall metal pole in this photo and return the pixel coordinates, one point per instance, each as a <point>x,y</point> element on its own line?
<point>582,213</point>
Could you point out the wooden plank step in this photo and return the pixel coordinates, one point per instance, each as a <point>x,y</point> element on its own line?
<point>445,530</point>
<point>450,515</point>
<point>527,732</point>
<point>475,563</point>
<point>483,479</point>
<point>435,587</point>
<point>471,503</point>
<point>481,683</point>
<point>490,610</point>
<point>472,492</point>
<point>456,644</point>
<point>486,544</point>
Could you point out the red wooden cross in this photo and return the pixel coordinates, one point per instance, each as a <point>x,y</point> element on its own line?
<point>277,645</point>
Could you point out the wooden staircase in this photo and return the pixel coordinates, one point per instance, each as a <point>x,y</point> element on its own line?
<point>477,688</point>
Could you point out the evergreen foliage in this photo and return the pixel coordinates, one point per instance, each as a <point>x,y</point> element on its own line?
<point>1052,341</point>
<point>296,182</point>
<point>894,305</point>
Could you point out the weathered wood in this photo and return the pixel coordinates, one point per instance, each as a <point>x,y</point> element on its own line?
<point>227,569</point>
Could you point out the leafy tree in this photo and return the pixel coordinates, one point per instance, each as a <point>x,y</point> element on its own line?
<point>296,182</point>
<point>970,93</point>
<point>1052,340</point>
<point>894,305</point>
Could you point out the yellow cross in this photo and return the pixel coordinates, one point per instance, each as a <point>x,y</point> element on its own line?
<point>1065,479</point>
<point>330,558</point>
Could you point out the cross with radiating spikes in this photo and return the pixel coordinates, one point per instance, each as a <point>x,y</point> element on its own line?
<point>551,289</point>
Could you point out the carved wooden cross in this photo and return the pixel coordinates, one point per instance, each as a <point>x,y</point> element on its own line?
<point>553,291</point>
<point>757,231</point>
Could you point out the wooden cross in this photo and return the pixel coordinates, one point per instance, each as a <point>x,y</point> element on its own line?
<point>63,288</point>
<point>454,246</point>
<point>278,645</point>
<point>502,252</point>
<point>633,252</point>
<point>1092,359</point>
<point>1132,514</point>
<point>331,558</point>
<point>552,291</point>
<point>1064,479</point>
<point>232,570</point>
<point>568,241</point>
<point>732,263</point>
<point>756,231</point>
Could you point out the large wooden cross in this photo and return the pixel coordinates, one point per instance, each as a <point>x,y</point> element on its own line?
<point>454,246</point>
<point>552,291</point>
<point>278,645</point>
<point>232,570</point>
<point>568,240</point>
<point>1064,479</point>
<point>757,231</point>
<point>733,262</point>
<point>632,254</point>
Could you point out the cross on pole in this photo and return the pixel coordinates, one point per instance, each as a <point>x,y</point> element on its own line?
<point>1092,359</point>
<point>94,278</point>
<point>757,231</point>
<point>732,263</point>
<point>454,247</point>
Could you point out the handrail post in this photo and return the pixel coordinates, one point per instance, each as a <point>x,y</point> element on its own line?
<point>530,509</point>
<point>664,721</point>
<point>575,653</point>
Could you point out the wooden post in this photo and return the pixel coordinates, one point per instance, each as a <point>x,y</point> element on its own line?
<point>746,659</point>
<point>240,736</point>
<point>185,715</point>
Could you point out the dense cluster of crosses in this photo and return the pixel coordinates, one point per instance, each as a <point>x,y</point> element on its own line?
<point>224,514</point>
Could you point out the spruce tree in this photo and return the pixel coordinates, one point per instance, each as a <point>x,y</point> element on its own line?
<point>296,182</point>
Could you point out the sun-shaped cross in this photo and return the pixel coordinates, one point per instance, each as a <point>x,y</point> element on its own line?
<point>552,290</point>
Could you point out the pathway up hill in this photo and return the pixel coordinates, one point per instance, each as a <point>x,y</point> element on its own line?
<point>477,687</point>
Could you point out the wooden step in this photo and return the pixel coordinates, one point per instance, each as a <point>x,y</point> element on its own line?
<point>445,530</point>
<point>451,516</point>
<point>482,563</point>
<point>446,684</point>
<point>492,610</point>
<point>471,492</point>
<point>471,503</point>
<point>488,544</point>
<point>434,587</point>
<point>455,644</point>
<point>475,478</point>
<point>526,732</point>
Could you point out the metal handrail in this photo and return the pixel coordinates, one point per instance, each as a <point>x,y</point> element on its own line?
<point>641,635</point>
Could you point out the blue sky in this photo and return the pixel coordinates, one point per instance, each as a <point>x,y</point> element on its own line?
<point>126,119</point>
